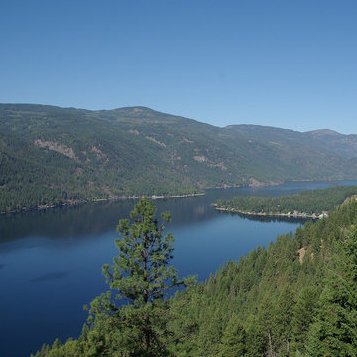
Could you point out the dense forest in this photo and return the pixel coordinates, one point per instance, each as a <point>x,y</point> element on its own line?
<point>298,297</point>
<point>52,156</point>
<point>306,203</point>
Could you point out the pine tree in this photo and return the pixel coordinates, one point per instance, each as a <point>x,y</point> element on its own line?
<point>303,316</point>
<point>233,341</point>
<point>282,322</point>
<point>334,333</point>
<point>138,279</point>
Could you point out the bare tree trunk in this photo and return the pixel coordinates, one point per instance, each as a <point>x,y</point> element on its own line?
<point>270,351</point>
<point>288,346</point>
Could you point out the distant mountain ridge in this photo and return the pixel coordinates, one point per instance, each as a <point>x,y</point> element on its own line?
<point>51,155</point>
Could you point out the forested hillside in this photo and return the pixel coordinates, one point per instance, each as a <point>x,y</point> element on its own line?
<point>310,203</point>
<point>298,297</point>
<point>51,155</point>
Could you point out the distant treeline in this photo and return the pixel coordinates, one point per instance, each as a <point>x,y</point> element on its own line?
<point>311,202</point>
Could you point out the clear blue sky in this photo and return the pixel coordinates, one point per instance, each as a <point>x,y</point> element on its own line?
<point>288,63</point>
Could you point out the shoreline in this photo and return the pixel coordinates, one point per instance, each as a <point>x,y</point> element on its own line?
<point>117,198</point>
<point>293,214</point>
<point>75,203</point>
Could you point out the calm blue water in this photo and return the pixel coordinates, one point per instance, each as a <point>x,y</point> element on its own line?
<point>50,262</point>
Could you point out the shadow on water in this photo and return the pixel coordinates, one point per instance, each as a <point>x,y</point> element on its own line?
<point>50,276</point>
<point>63,222</point>
<point>90,220</point>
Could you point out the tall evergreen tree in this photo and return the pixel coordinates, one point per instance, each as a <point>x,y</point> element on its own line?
<point>303,316</point>
<point>138,280</point>
<point>233,341</point>
<point>282,322</point>
<point>334,333</point>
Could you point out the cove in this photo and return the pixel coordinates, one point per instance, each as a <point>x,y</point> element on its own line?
<point>50,261</point>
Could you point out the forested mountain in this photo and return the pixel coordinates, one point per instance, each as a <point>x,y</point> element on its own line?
<point>51,155</point>
<point>296,298</point>
<point>325,139</point>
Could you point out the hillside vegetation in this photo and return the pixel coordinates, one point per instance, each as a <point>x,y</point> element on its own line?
<point>309,203</point>
<point>298,297</point>
<point>52,156</point>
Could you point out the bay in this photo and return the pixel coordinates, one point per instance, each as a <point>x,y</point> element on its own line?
<point>50,261</point>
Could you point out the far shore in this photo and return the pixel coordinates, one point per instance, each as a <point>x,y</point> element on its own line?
<point>72,203</point>
<point>294,214</point>
<point>252,184</point>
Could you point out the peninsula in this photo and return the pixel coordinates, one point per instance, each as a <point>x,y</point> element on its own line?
<point>307,204</point>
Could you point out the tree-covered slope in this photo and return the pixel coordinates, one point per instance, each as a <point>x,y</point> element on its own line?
<point>51,155</point>
<point>298,297</point>
<point>309,203</point>
<point>329,140</point>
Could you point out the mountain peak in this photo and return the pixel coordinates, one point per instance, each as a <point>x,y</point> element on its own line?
<point>321,132</point>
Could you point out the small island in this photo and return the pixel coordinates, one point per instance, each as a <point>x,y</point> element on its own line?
<point>306,204</point>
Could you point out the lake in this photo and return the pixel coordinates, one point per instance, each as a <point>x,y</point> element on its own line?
<point>50,261</point>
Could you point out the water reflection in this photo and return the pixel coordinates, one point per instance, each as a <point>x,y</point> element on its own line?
<point>50,261</point>
<point>260,218</point>
<point>65,222</point>
<point>89,220</point>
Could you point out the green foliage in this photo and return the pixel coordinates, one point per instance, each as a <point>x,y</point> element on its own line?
<point>302,316</point>
<point>310,202</point>
<point>334,331</point>
<point>233,340</point>
<point>138,279</point>
<point>271,293</point>
<point>140,272</point>
<point>298,297</point>
<point>53,156</point>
